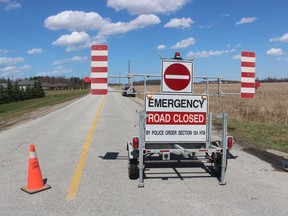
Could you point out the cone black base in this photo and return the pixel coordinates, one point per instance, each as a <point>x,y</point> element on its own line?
<point>31,191</point>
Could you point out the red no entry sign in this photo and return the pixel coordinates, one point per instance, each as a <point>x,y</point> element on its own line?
<point>87,80</point>
<point>177,77</point>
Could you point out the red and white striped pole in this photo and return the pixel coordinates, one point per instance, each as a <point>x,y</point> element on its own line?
<point>248,63</point>
<point>99,69</point>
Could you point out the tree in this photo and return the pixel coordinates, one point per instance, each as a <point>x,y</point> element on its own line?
<point>9,91</point>
<point>28,93</point>
<point>3,95</point>
<point>37,90</point>
<point>16,92</point>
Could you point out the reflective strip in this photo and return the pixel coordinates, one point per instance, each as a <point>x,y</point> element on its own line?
<point>99,86</point>
<point>98,80</point>
<point>32,155</point>
<point>246,74</point>
<point>248,69</point>
<point>247,95</point>
<point>99,91</point>
<point>203,150</point>
<point>248,90</point>
<point>248,64</point>
<point>99,75</point>
<point>247,79</point>
<point>248,59</point>
<point>247,84</point>
<point>99,52</point>
<point>99,63</point>
<point>99,69</point>
<point>164,150</point>
<point>99,58</point>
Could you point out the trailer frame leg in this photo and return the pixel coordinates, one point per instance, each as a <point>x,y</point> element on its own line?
<point>224,149</point>
<point>141,149</point>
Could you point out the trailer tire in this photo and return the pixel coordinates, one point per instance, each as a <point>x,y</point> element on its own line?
<point>133,170</point>
<point>217,164</point>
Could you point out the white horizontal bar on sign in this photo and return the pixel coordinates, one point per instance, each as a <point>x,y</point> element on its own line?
<point>247,80</point>
<point>248,69</point>
<point>248,90</point>
<point>168,76</point>
<point>99,52</point>
<point>99,75</point>
<point>99,86</point>
<point>248,59</point>
<point>99,63</point>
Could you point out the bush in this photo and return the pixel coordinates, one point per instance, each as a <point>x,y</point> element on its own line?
<point>14,93</point>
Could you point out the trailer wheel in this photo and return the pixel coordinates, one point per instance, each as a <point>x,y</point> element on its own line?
<point>217,164</point>
<point>133,170</point>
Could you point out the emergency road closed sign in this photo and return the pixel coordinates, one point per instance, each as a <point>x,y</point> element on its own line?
<point>176,118</point>
<point>176,77</point>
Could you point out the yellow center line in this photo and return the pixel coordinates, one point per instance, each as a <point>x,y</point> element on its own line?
<point>73,188</point>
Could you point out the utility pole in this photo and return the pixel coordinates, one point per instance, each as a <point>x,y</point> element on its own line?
<point>129,79</point>
<point>119,79</point>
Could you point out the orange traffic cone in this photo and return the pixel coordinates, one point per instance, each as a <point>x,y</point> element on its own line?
<point>35,181</point>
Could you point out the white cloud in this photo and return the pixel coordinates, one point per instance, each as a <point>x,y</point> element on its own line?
<point>237,56</point>
<point>283,38</point>
<point>98,39</point>
<point>59,70</point>
<point>10,66</point>
<point>81,21</point>
<point>61,61</point>
<point>79,59</point>
<point>141,21</point>
<point>10,5</point>
<point>275,51</point>
<point>161,47</point>
<point>207,27</point>
<point>179,23</point>
<point>225,15</point>
<point>184,43</point>
<point>75,59</point>
<point>11,61</point>
<point>14,70</point>
<point>76,21</point>
<point>207,54</point>
<point>148,6</point>
<point>34,51</point>
<point>3,51</point>
<point>74,39</point>
<point>246,20</point>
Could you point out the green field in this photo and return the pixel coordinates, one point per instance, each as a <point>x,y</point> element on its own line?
<point>16,109</point>
<point>257,135</point>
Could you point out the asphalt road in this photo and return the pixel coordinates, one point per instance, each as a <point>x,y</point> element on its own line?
<point>82,153</point>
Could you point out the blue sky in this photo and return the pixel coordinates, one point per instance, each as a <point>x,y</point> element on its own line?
<point>53,38</point>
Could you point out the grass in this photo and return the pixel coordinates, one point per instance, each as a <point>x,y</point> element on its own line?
<point>261,122</point>
<point>258,135</point>
<point>16,109</point>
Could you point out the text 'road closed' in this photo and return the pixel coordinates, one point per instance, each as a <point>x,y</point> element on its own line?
<point>174,118</point>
